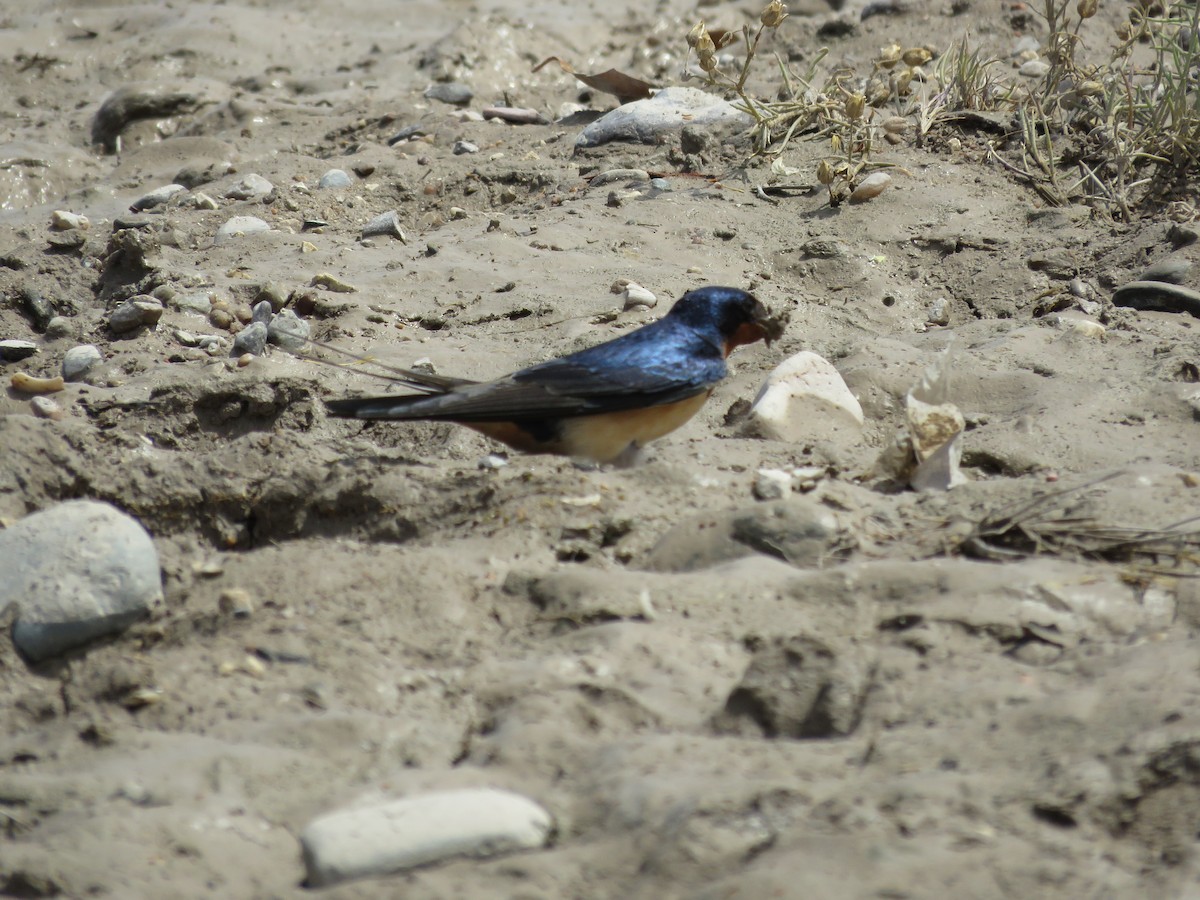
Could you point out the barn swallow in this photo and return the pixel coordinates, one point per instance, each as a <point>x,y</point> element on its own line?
<point>603,403</point>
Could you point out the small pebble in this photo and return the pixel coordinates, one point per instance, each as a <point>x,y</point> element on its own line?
<point>78,361</point>
<point>221,318</point>
<point>252,187</point>
<point>45,408</point>
<point>516,115</point>
<point>332,283</point>
<point>15,350</point>
<point>404,134</point>
<point>199,302</point>
<point>262,312</point>
<point>274,292</point>
<point>201,200</point>
<point>244,360</point>
<point>59,327</point>
<point>622,175</point>
<point>938,312</point>
<point>493,461</point>
<point>772,484</point>
<point>132,314</point>
<point>335,178</point>
<point>451,92</point>
<point>463,147</point>
<point>63,220</point>
<point>236,602</point>
<point>156,197</point>
<point>386,224</point>
<point>660,184</point>
<point>240,226</point>
<point>252,339</point>
<point>1034,68</point>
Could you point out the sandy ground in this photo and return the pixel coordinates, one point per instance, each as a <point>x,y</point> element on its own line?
<point>819,696</point>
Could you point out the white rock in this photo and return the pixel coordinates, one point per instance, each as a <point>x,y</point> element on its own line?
<point>78,361</point>
<point>1035,68</point>
<point>240,226</point>
<point>77,571</point>
<point>772,484</point>
<point>64,220</point>
<point>252,187</point>
<point>805,399</point>
<point>426,828</point>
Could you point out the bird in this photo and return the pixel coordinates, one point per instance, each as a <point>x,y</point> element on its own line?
<point>601,404</point>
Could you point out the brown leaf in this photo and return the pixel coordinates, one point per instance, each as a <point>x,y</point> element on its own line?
<point>624,87</point>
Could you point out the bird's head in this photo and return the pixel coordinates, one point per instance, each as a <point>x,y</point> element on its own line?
<point>734,314</point>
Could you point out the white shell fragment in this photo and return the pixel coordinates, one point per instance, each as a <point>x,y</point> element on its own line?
<point>926,453</point>
<point>870,187</point>
<point>426,828</point>
<point>635,295</point>
<point>64,220</point>
<point>804,399</point>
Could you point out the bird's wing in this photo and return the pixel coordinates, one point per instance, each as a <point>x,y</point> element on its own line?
<point>561,388</point>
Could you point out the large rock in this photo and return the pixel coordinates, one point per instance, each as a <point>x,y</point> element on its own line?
<point>646,121</point>
<point>77,571</point>
<point>427,828</point>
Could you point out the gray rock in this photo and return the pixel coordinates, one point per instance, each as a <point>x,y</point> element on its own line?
<point>386,224</point>
<point>252,187</point>
<point>138,101</point>
<point>418,830</point>
<point>450,92</point>
<point>77,571</point>
<point>274,292</point>
<point>462,148</point>
<point>668,111</point>
<point>15,351</point>
<point>619,175</point>
<point>156,197</point>
<point>141,310</point>
<point>262,312</point>
<point>59,326</point>
<point>1173,270</point>
<point>1158,296</point>
<point>288,330</point>
<point>193,301</point>
<point>240,226</point>
<point>78,361</point>
<point>335,178</point>
<point>251,339</point>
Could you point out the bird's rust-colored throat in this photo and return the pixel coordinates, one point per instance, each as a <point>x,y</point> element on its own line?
<point>765,326</point>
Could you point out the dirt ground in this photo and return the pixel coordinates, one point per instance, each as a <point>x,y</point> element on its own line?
<point>851,691</point>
